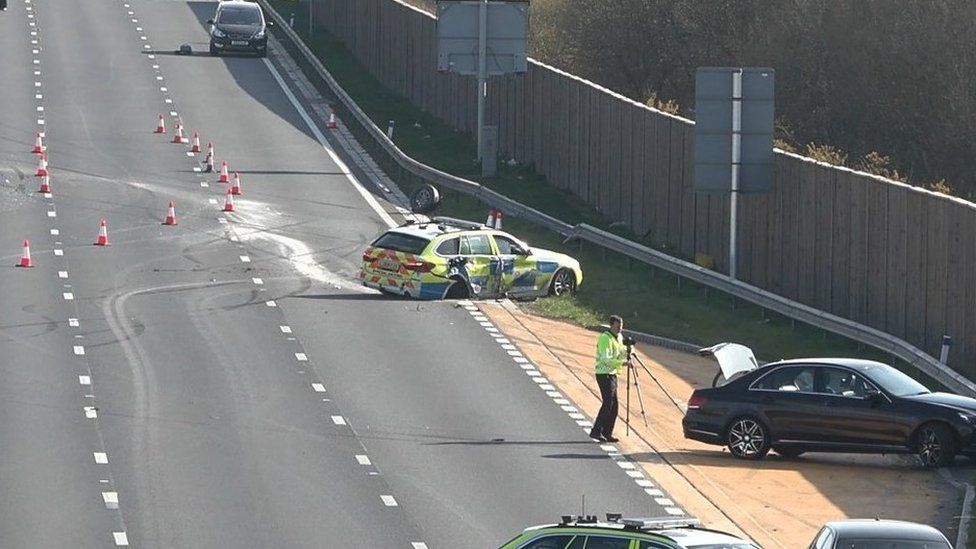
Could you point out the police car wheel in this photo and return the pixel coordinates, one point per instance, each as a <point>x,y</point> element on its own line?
<point>563,283</point>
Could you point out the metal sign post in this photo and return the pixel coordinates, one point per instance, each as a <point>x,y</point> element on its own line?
<point>736,162</point>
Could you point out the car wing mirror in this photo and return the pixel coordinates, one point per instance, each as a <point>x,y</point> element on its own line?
<point>874,397</point>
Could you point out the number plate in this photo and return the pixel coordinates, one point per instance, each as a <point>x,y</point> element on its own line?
<point>388,264</point>
<point>238,42</point>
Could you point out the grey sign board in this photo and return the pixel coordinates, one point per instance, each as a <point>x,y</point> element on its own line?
<point>458,26</point>
<point>734,110</point>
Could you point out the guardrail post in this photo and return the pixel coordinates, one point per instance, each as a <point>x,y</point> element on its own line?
<point>946,345</point>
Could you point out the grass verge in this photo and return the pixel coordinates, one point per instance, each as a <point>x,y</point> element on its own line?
<point>650,300</point>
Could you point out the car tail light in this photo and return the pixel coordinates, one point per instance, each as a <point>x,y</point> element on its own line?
<point>696,402</point>
<point>366,254</point>
<point>419,266</point>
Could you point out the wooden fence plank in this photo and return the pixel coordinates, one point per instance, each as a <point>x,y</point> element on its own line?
<point>687,195</point>
<point>809,186</point>
<point>649,155</point>
<point>626,165</point>
<point>789,251</point>
<point>957,239</point>
<point>876,227</point>
<point>936,271</point>
<point>676,174</point>
<point>915,263</point>
<point>839,250</point>
<point>638,129</point>
<point>858,246</point>
<point>825,250</point>
<point>895,259</point>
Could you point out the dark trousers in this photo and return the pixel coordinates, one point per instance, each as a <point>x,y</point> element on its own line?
<point>608,410</point>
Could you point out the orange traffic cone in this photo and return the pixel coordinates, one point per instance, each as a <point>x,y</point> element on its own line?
<point>102,234</point>
<point>235,188</point>
<point>498,219</point>
<point>196,143</point>
<point>25,260</point>
<point>45,185</point>
<point>161,125</point>
<point>210,158</point>
<point>41,165</point>
<point>490,222</point>
<point>224,177</point>
<point>178,136</point>
<point>229,202</point>
<point>170,214</point>
<point>38,144</point>
<point>332,123</point>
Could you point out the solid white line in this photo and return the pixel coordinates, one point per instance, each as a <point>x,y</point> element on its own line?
<point>301,357</point>
<point>389,501</point>
<point>338,420</point>
<point>363,460</point>
<point>84,380</point>
<point>121,540</point>
<point>100,457</point>
<point>318,387</point>
<point>367,196</point>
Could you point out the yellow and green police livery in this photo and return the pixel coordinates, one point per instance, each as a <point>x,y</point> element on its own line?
<point>457,259</point>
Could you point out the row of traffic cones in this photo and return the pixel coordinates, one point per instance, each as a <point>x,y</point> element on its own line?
<point>494,219</point>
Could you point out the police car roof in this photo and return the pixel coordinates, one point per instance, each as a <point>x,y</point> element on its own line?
<point>437,226</point>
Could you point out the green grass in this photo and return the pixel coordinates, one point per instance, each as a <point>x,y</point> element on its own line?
<point>650,301</point>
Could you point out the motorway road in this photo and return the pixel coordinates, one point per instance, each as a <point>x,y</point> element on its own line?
<point>225,382</point>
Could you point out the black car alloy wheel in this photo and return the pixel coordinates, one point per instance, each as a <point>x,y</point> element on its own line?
<point>936,447</point>
<point>747,438</point>
<point>563,282</point>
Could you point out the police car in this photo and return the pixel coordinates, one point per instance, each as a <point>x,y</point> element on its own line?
<point>625,533</point>
<point>451,258</point>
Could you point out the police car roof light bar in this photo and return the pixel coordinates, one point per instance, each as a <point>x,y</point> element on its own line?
<point>460,223</point>
<point>658,523</point>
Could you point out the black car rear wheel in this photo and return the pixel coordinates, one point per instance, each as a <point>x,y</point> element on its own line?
<point>935,445</point>
<point>747,438</point>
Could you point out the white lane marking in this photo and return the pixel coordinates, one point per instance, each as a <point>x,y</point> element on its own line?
<point>62,274</point>
<point>173,114</point>
<point>301,357</point>
<point>338,420</point>
<point>554,394</point>
<point>367,196</point>
<point>168,101</point>
<point>68,296</point>
<point>577,415</point>
<point>245,259</point>
<point>486,324</point>
<point>608,447</point>
<point>318,387</point>
<point>139,29</point>
<point>664,502</point>
<point>37,84</point>
<point>58,252</point>
<point>492,329</point>
<point>569,408</point>
<point>389,501</point>
<point>52,213</point>
<point>561,402</point>
<point>121,539</point>
<point>363,460</point>
<point>508,346</point>
<point>84,380</point>
<point>162,89</point>
<point>533,373</point>
<point>55,232</point>
<point>583,423</point>
<point>79,350</point>
<point>101,458</point>
<point>222,220</point>
<point>673,511</point>
<point>521,360</point>
<point>270,303</point>
<point>73,322</point>
<point>38,96</point>
<point>40,109</point>
<point>541,380</point>
<point>91,412</point>
<point>527,366</point>
<point>285,329</point>
<point>635,474</point>
<point>257,281</point>
<point>111,500</point>
<point>514,353</point>
<point>418,545</point>
<point>40,121</point>
<point>212,200</point>
<point>644,483</point>
<point>547,387</point>
<point>653,492</point>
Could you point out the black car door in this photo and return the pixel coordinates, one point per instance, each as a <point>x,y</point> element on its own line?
<point>786,398</point>
<point>853,410</point>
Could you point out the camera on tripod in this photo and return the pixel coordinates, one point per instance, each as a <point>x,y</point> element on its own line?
<point>629,341</point>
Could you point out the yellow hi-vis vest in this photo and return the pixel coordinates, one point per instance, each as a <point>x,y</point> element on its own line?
<point>610,354</point>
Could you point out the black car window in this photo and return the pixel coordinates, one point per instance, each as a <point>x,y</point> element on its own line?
<point>843,382</point>
<point>549,542</point>
<point>239,16</point>
<point>449,246</point>
<point>893,381</point>
<point>475,244</point>
<point>402,242</point>
<point>788,378</point>
<point>889,544</point>
<point>507,246</point>
<point>606,542</point>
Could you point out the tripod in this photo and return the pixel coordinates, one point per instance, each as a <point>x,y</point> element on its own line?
<point>640,399</point>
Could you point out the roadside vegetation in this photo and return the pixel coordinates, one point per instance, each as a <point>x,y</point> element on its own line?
<point>650,300</point>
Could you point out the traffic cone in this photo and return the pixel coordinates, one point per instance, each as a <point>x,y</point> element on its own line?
<point>491,219</point>
<point>178,136</point>
<point>235,188</point>
<point>102,234</point>
<point>332,123</point>
<point>161,125</point>
<point>25,260</point>
<point>224,178</point>
<point>38,144</point>
<point>170,214</point>
<point>41,165</point>
<point>229,202</point>
<point>196,143</point>
<point>498,219</point>
<point>210,158</point>
<point>45,185</point>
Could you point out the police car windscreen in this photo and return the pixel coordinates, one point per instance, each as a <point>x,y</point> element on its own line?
<point>400,242</point>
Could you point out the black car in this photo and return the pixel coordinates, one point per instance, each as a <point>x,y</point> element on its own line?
<point>878,534</point>
<point>238,26</point>
<point>828,405</point>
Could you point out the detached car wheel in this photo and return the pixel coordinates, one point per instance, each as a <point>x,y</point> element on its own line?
<point>935,444</point>
<point>563,283</point>
<point>747,438</point>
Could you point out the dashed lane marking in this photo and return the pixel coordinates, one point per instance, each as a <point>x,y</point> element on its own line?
<point>285,329</point>
<point>73,322</point>
<point>84,380</point>
<point>121,539</point>
<point>318,387</point>
<point>101,458</point>
<point>389,501</point>
<point>79,350</point>
<point>68,296</point>
<point>338,420</point>
<point>363,460</point>
<point>301,357</point>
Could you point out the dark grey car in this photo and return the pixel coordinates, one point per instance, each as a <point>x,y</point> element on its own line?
<point>238,26</point>
<point>878,534</point>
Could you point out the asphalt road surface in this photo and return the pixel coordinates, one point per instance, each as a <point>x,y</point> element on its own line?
<point>225,382</point>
